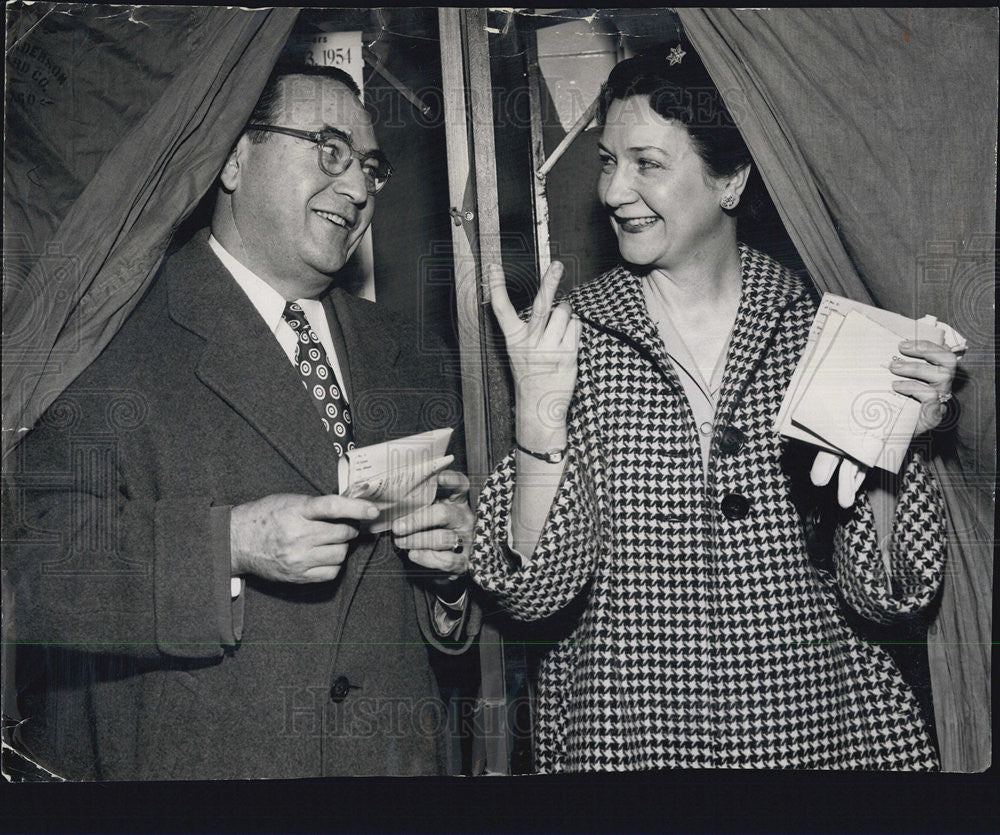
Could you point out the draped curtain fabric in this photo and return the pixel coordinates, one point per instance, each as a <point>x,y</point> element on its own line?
<point>118,120</point>
<point>875,132</point>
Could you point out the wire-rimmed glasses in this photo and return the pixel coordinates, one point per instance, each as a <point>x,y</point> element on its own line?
<point>336,153</point>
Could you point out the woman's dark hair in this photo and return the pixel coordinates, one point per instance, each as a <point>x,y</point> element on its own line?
<point>682,90</point>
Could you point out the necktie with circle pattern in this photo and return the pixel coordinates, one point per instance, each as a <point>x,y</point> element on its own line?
<point>318,378</point>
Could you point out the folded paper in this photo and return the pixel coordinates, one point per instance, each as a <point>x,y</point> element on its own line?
<point>399,476</point>
<point>841,398</point>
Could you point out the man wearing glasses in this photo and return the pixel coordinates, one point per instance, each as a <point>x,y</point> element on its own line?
<point>244,622</point>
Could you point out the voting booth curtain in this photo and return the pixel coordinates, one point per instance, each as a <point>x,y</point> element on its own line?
<point>875,132</point>
<point>118,120</point>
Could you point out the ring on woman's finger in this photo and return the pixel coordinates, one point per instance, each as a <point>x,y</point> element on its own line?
<point>459,545</point>
<point>943,397</point>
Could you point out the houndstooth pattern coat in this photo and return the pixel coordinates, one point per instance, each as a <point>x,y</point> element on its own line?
<point>695,621</point>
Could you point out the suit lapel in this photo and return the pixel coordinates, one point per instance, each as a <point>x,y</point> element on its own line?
<point>368,353</point>
<point>339,347</point>
<point>244,365</point>
<point>372,352</point>
<point>768,290</point>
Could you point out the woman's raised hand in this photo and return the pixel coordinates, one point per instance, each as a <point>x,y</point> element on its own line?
<point>542,353</point>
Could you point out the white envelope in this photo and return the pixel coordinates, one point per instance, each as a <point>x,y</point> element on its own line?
<point>399,476</point>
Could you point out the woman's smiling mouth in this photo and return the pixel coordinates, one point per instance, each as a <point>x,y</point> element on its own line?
<point>636,224</point>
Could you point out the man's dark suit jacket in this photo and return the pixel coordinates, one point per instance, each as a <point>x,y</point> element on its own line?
<point>130,666</point>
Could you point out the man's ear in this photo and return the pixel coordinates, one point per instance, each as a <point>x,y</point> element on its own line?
<point>738,181</point>
<point>230,174</point>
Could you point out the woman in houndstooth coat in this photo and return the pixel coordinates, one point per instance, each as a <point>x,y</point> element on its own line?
<point>697,593</point>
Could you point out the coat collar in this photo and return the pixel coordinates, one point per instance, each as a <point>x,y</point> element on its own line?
<point>243,363</point>
<point>372,353</point>
<point>769,289</point>
<point>615,302</point>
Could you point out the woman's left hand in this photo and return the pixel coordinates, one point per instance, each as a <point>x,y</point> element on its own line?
<point>928,378</point>
<point>439,537</point>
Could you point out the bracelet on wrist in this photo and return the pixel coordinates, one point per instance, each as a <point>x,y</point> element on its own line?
<point>552,456</point>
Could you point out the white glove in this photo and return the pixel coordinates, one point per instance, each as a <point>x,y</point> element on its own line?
<point>849,480</point>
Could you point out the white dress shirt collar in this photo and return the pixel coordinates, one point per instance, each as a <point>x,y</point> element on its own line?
<point>271,305</point>
<point>265,298</point>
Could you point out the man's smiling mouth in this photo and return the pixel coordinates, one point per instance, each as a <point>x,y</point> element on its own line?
<point>338,220</point>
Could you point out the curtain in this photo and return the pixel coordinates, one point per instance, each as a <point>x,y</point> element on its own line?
<point>875,132</point>
<point>118,120</point>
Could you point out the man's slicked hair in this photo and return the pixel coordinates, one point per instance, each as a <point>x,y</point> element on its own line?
<point>263,111</point>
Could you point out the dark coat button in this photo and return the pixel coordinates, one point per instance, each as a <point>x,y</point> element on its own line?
<point>735,506</point>
<point>731,440</point>
<point>338,692</point>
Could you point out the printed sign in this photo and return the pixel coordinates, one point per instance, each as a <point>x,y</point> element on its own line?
<point>335,49</point>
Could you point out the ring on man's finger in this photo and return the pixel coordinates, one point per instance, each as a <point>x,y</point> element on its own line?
<point>459,545</point>
<point>943,397</point>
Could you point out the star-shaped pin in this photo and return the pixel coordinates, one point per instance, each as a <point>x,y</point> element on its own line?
<point>675,55</point>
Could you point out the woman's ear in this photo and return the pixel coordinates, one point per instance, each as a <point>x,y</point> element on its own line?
<point>738,181</point>
<point>229,177</point>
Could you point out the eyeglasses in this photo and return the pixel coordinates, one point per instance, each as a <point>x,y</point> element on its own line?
<point>336,153</point>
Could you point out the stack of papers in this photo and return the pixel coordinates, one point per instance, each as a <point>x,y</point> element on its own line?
<point>840,397</point>
<point>398,476</point>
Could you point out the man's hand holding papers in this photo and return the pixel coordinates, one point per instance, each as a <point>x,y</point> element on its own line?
<point>425,504</point>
